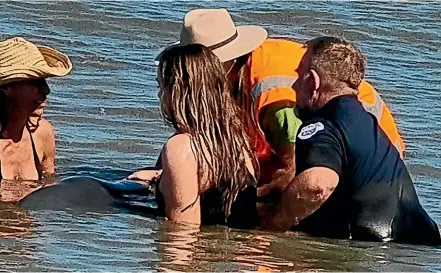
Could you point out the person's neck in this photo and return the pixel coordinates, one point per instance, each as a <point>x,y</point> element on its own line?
<point>334,94</point>
<point>14,126</point>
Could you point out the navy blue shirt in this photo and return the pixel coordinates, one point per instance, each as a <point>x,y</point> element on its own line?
<point>375,198</point>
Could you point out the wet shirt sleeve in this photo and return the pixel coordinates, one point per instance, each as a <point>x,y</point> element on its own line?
<point>319,145</point>
<point>281,124</point>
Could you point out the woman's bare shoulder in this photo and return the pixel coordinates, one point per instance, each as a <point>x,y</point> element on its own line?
<point>179,181</point>
<point>44,129</point>
<point>178,151</point>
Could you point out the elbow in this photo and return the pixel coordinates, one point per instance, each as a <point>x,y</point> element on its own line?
<point>318,193</point>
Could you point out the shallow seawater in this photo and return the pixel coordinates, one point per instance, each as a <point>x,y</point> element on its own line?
<point>107,123</point>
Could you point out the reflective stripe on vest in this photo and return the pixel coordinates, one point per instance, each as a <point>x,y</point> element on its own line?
<point>375,109</point>
<point>399,148</point>
<point>271,82</point>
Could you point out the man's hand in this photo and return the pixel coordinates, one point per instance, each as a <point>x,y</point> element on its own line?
<point>265,189</point>
<point>284,161</point>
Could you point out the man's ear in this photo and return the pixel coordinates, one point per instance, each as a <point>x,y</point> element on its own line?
<point>316,78</point>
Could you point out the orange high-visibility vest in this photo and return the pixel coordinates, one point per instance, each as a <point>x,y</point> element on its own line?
<point>273,71</point>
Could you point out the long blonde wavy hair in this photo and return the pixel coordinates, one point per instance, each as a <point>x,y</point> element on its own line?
<point>199,103</point>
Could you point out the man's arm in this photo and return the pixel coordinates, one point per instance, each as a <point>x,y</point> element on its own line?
<point>280,125</point>
<point>285,172</point>
<point>303,196</point>
<point>319,163</point>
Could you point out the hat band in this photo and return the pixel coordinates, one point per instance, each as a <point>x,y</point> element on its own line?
<point>225,42</point>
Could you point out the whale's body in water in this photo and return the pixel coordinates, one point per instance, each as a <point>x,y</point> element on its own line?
<point>86,193</point>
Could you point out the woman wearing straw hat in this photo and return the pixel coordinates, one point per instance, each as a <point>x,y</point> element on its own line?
<point>262,72</point>
<point>27,142</point>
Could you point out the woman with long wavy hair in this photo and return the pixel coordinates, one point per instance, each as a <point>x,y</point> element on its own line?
<point>208,166</point>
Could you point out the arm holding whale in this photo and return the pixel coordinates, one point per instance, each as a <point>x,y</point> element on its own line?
<point>148,173</point>
<point>280,124</point>
<point>319,161</point>
<point>304,195</point>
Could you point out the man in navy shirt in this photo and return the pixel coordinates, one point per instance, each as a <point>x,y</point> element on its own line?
<point>350,181</point>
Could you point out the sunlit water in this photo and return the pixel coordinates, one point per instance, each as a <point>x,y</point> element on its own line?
<point>107,123</point>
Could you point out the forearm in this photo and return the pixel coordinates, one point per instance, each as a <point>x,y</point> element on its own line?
<point>286,173</point>
<point>292,208</point>
<point>303,196</point>
<point>280,126</point>
<point>149,173</point>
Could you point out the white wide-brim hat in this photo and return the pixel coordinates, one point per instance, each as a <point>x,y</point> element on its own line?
<point>215,29</point>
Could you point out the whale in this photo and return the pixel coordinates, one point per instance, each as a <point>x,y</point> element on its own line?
<point>90,194</point>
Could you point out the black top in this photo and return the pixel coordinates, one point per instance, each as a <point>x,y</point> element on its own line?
<point>375,198</point>
<point>243,212</point>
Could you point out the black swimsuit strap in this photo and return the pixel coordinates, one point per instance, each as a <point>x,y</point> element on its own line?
<point>191,205</point>
<point>161,202</point>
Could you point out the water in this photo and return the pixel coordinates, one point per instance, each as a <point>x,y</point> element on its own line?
<point>107,123</point>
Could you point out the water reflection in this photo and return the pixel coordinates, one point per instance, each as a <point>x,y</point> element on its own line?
<point>16,226</point>
<point>254,252</point>
<point>177,246</point>
<point>15,222</point>
<point>189,248</point>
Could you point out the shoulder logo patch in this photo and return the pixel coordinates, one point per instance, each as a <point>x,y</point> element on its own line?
<point>310,130</point>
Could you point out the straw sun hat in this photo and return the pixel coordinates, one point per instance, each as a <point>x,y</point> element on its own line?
<point>215,29</point>
<point>23,60</point>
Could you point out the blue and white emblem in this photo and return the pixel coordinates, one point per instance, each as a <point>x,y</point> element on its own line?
<point>310,130</point>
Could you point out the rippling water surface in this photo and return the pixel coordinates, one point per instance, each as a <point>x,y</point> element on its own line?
<point>107,123</point>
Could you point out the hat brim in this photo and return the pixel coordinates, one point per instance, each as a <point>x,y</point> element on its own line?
<point>56,64</point>
<point>248,39</point>
<point>59,64</point>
